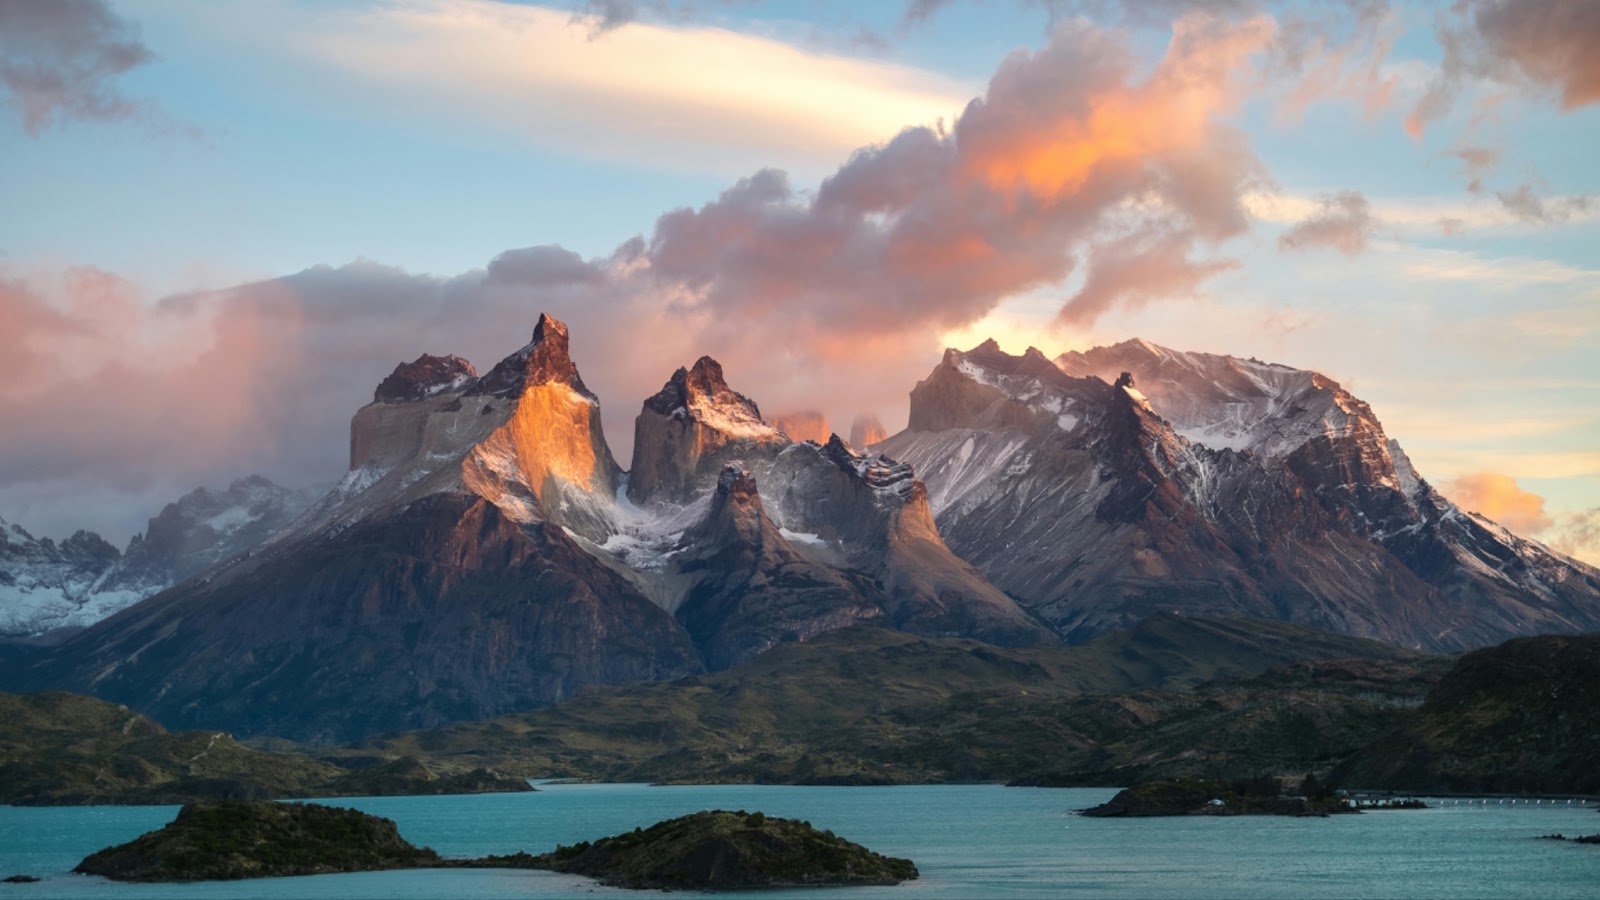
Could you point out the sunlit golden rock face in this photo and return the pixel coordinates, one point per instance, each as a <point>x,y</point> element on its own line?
<point>526,436</point>
<point>549,448</point>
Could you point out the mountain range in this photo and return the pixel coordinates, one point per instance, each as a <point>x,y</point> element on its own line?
<point>486,553</point>
<point>1100,487</point>
<point>47,586</point>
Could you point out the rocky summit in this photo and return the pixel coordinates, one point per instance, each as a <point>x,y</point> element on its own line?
<point>1101,487</point>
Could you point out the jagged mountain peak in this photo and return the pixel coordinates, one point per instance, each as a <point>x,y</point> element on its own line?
<point>546,359</point>
<point>689,429</point>
<point>1227,402</point>
<point>551,329</point>
<point>702,394</point>
<point>736,481</point>
<point>83,579</point>
<point>733,516</point>
<point>528,428</point>
<point>986,387</point>
<point>706,377</point>
<point>425,376</point>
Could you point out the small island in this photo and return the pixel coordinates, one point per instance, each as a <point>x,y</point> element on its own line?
<point>720,850</point>
<point>227,840</point>
<point>713,850</point>
<point>1250,797</point>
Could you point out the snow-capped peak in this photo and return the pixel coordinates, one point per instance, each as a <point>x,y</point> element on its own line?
<point>701,394</point>
<point>1030,388</point>
<point>1225,402</point>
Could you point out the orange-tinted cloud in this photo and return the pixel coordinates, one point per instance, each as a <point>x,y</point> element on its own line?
<point>1498,497</point>
<point>931,230</point>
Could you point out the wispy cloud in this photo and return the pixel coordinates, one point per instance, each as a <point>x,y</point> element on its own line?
<point>1342,221</point>
<point>1424,214</point>
<point>1452,265</point>
<point>1578,534</point>
<point>680,97</point>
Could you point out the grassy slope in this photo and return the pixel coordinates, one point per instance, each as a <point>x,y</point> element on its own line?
<point>65,749</point>
<point>866,705</point>
<point>1521,716</point>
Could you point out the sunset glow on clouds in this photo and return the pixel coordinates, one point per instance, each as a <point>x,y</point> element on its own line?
<point>531,72</point>
<point>819,215</point>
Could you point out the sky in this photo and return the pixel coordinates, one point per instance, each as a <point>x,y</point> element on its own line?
<point>225,222</point>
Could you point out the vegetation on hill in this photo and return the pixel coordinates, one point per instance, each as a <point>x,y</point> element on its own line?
<point>720,850</point>
<point>1523,716</point>
<point>869,706</point>
<point>1243,797</point>
<point>714,850</point>
<point>65,749</point>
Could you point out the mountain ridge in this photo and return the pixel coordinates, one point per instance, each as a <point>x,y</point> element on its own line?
<point>485,552</point>
<point>1110,511</point>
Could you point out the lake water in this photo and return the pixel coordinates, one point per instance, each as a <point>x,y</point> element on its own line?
<point>968,841</point>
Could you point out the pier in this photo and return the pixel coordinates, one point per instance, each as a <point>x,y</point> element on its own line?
<point>1375,798</point>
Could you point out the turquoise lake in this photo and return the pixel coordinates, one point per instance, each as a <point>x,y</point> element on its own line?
<point>968,841</point>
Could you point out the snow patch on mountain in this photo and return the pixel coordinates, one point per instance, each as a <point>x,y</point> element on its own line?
<point>732,419</point>
<point>647,538</point>
<point>961,466</point>
<point>1228,403</point>
<point>803,537</point>
<point>46,585</point>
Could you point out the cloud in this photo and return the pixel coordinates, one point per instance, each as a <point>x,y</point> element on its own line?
<point>1426,214</point>
<point>1578,535</point>
<point>1530,207</point>
<point>1343,221</point>
<point>1498,272</point>
<point>1553,42</point>
<point>602,17</point>
<point>1132,271</point>
<point>1478,163</point>
<point>60,60</point>
<point>732,101</point>
<point>932,229</point>
<point>1537,44</point>
<point>605,15</point>
<point>918,12</point>
<point>1497,497</point>
<point>1074,150</point>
